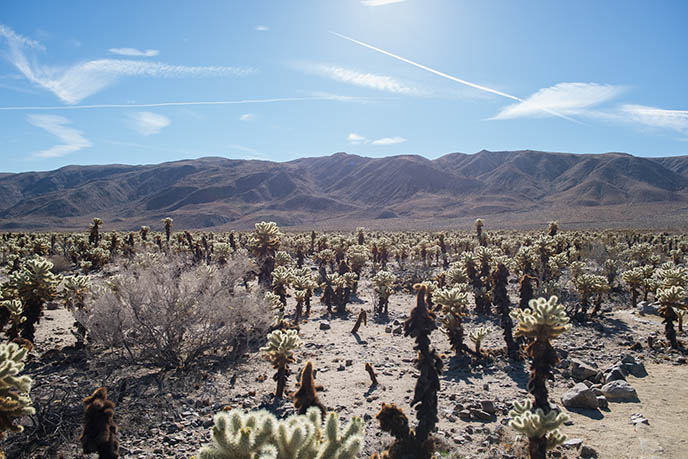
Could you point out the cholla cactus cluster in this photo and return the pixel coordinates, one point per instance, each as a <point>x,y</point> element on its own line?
<point>260,435</point>
<point>545,319</point>
<point>454,304</point>
<point>15,401</point>
<point>477,335</point>
<point>263,243</point>
<point>384,287</point>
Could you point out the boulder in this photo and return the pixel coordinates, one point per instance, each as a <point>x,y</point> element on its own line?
<point>580,397</point>
<point>631,365</point>
<point>615,373</point>
<point>619,391</point>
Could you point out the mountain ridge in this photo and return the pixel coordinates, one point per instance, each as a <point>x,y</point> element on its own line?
<point>347,189</point>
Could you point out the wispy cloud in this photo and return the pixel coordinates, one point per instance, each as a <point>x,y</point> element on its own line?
<point>563,98</point>
<point>72,139</point>
<point>379,2</point>
<point>362,79</point>
<point>135,52</point>
<point>247,117</point>
<point>676,120</point>
<point>262,28</point>
<point>74,83</point>
<point>314,98</point>
<point>148,123</point>
<point>389,141</point>
<point>356,139</point>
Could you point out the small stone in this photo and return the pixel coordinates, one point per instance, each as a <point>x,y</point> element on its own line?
<point>480,414</point>
<point>388,329</point>
<point>587,452</point>
<point>573,443</point>
<point>615,374</point>
<point>488,406</point>
<point>637,418</point>
<point>325,325</point>
<point>602,402</point>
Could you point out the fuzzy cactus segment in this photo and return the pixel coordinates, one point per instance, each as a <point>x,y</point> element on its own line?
<point>537,424</point>
<point>14,390</point>
<point>260,435</point>
<point>544,318</point>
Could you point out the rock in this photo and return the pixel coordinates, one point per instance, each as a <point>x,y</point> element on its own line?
<point>587,452</point>
<point>52,305</point>
<point>647,308</point>
<point>602,402</point>
<point>630,365</point>
<point>388,329</point>
<point>581,371</point>
<point>580,397</point>
<point>488,406</point>
<point>614,374</point>
<point>619,391</point>
<point>637,418</point>
<point>325,325</point>
<point>480,414</point>
<point>399,330</point>
<point>573,443</point>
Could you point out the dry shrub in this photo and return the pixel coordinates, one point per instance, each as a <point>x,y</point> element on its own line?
<point>166,312</point>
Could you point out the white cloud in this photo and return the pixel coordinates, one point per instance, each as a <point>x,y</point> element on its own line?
<point>676,120</point>
<point>74,83</point>
<point>148,123</point>
<point>135,52</point>
<point>389,141</point>
<point>561,99</point>
<point>379,2</point>
<point>366,80</point>
<point>355,139</point>
<point>72,139</point>
<point>262,28</point>
<point>247,117</point>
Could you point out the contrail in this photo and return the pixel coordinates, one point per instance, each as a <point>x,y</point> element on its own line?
<point>178,104</point>
<point>444,75</point>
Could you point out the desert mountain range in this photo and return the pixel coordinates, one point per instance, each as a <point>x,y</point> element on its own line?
<point>508,189</point>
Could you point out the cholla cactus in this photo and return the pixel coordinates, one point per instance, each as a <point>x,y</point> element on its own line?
<point>167,221</point>
<point>15,401</point>
<point>263,243</point>
<point>543,320</point>
<point>384,287</point>
<point>35,285</point>
<point>673,276</point>
<point>634,279</point>
<point>11,312</point>
<point>282,258</point>
<point>259,434</point>
<point>541,429</point>
<point>477,335</point>
<point>671,298</point>
<point>282,277</point>
<point>100,431</point>
<point>454,304</point>
<point>552,228</point>
<point>588,285</point>
<point>94,235</point>
<point>280,352</point>
<point>73,294</point>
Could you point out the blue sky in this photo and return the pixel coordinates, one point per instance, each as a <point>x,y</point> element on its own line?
<point>270,80</point>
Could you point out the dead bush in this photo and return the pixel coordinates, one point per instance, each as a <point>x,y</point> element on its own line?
<point>161,310</point>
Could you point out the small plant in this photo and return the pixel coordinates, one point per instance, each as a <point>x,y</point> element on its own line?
<point>15,401</point>
<point>100,431</point>
<point>259,434</point>
<point>542,430</point>
<point>477,335</point>
<point>280,352</point>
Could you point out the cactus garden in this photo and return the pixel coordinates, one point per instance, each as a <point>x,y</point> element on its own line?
<point>272,343</point>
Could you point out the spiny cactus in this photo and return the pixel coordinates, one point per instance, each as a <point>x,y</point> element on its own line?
<point>35,285</point>
<point>167,221</point>
<point>634,279</point>
<point>477,335</point>
<point>15,401</point>
<point>11,312</point>
<point>543,320</point>
<point>454,303</point>
<point>280,352</point>
<point>587,285</point>
<point>306,395</point>
<point>500,279</point>
<point>671,298</point>
<point>73,294</point>
<point>100,431</point>
<point>94,228</point>
<point>540,428</point>
<point>263,243</point>
<point>419,325</point>
<point>282,277</point>
<point>260,435</point>
<point>384,287</point>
